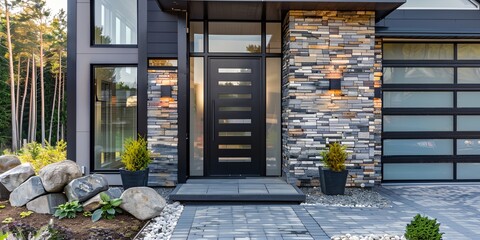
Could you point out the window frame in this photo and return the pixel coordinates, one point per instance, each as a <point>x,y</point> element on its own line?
<point>92,114</point>
<point>454,111</point>
<point>92,31</point>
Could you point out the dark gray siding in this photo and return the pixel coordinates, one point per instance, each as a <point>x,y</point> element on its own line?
<point>161,32</point>
<point>440,23</point>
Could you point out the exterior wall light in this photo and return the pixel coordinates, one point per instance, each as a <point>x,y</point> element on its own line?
<point>335,84</point>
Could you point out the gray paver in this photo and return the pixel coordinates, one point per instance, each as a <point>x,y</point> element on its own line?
<point>455,206</point>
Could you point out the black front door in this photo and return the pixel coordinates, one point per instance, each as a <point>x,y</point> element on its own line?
<point>234,119</point>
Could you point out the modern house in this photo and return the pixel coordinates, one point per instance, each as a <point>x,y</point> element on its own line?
<point>257,88</point>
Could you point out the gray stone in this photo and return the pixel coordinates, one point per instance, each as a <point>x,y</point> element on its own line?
<point>27,191</point>
<point>56,176</point>
<point>84,188</point>
<point>8,162</point>
<point>142,202</point>
<point>12,178</point>
<point>47,204</point>
<point>4,193</point>
<point>94,203</point>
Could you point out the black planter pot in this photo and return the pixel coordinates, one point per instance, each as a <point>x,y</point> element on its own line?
<point>333,183</point>
<point>134,179</point>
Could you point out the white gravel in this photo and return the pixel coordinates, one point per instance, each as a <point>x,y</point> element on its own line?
<point>161,227</point>
<point>354,197</point>
<point>368,237</point>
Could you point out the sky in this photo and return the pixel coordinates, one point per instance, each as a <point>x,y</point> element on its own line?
<point>56,5</point>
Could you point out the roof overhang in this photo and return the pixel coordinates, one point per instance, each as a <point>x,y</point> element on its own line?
<point>252,9</point>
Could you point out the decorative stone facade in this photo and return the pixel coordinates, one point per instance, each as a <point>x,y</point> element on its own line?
<point>163,127</point>
<point>319,47</point>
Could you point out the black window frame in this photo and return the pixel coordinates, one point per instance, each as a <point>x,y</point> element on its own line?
<point>92,30</point>
<point>140,118</point>
<point>454,112</point>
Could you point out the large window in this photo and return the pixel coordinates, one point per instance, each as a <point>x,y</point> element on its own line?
<point>431,111</point>
<point>115,22</point>
<point>115,113</point>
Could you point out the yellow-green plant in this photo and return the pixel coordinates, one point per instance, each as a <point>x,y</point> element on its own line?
<point>136,156</point>
<point>25,214</point>
<point>334,158</point>
<point>8,220</point>
<point>2,206</point>
<point>39,156</point>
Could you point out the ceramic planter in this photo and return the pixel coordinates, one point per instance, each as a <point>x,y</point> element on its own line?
<point>134,179</point>
<point>333,183</point>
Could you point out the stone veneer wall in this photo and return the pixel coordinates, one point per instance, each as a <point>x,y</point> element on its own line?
<point>162,134</point>
<point>318,46</point>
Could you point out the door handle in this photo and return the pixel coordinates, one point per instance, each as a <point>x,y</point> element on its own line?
<point>214,120</point>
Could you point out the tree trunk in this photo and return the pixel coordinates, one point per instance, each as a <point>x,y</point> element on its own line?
<point>34,102</point>
<point>42,92</point>
<point>12,81</point>
<point>60,100</point>
<point>53,109</point>
<point>17,103</point>
<point>24,97</point>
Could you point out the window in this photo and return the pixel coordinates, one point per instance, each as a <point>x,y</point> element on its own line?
<point>115,113</point>
<point>234,37</point>
<point>431,110</point>
<point>115,22</point>
<point>438,5</point>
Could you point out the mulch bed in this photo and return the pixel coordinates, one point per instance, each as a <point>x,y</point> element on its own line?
<point>124,226</point>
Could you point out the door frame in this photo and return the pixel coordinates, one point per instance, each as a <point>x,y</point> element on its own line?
<point>207,168</point>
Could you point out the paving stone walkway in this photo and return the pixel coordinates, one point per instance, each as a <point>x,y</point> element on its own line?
<point>457,207</point>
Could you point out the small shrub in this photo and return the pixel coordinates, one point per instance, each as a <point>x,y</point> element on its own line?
<point>39,156</point>
<point>68,210</point>
<point>2,206</point>
<point>423,228</point>
<point>87,214</point>
<point>136,156</point>
<point>22,231</point>
<point>109,208</point>
<point>334,158</point>
<point>8,220</point>
<point>25,214</point>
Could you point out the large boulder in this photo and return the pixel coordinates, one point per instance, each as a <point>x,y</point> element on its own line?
<point>94,203</point>
<point>8,162</point>
<point>84,188</point>
<point>12,178</point>
<point>56,176</point>
<point>27,191</point>
<point>47,204</point>
<point>142,202</point>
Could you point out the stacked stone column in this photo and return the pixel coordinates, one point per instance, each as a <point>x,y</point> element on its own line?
<point>319,47</point>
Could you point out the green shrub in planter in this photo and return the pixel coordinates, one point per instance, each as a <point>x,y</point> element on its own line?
<point>136,155</point>
<point>334,158</point>
<point>423,228</point>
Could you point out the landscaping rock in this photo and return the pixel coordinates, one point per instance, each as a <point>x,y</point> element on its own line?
<point>84,188</point>
<point>142,202</point>
<point>8,162</point>
<point>56,176</point>
<point>27,191</point>
<point>12,178</point>
<point>94,203</point>
<point>47,204</point>
<point>4,193</point>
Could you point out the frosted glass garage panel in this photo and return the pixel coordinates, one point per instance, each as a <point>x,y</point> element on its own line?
<point>418,51</point>
<point>468,123</point>
<point>468,171</point>
<point>418,99</point>
<point>417,75</point>
<point>469,51</point>
<point>412,147</point>
<point>468,99</point>
<point>468,75</point>
<point>417,171</point>
<point>417,123</point>
<point>468,147</point>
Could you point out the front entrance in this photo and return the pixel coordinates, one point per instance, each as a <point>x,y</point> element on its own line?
<point>234,120</point>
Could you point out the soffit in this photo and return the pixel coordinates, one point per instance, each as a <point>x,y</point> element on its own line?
<point>274,9</point>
